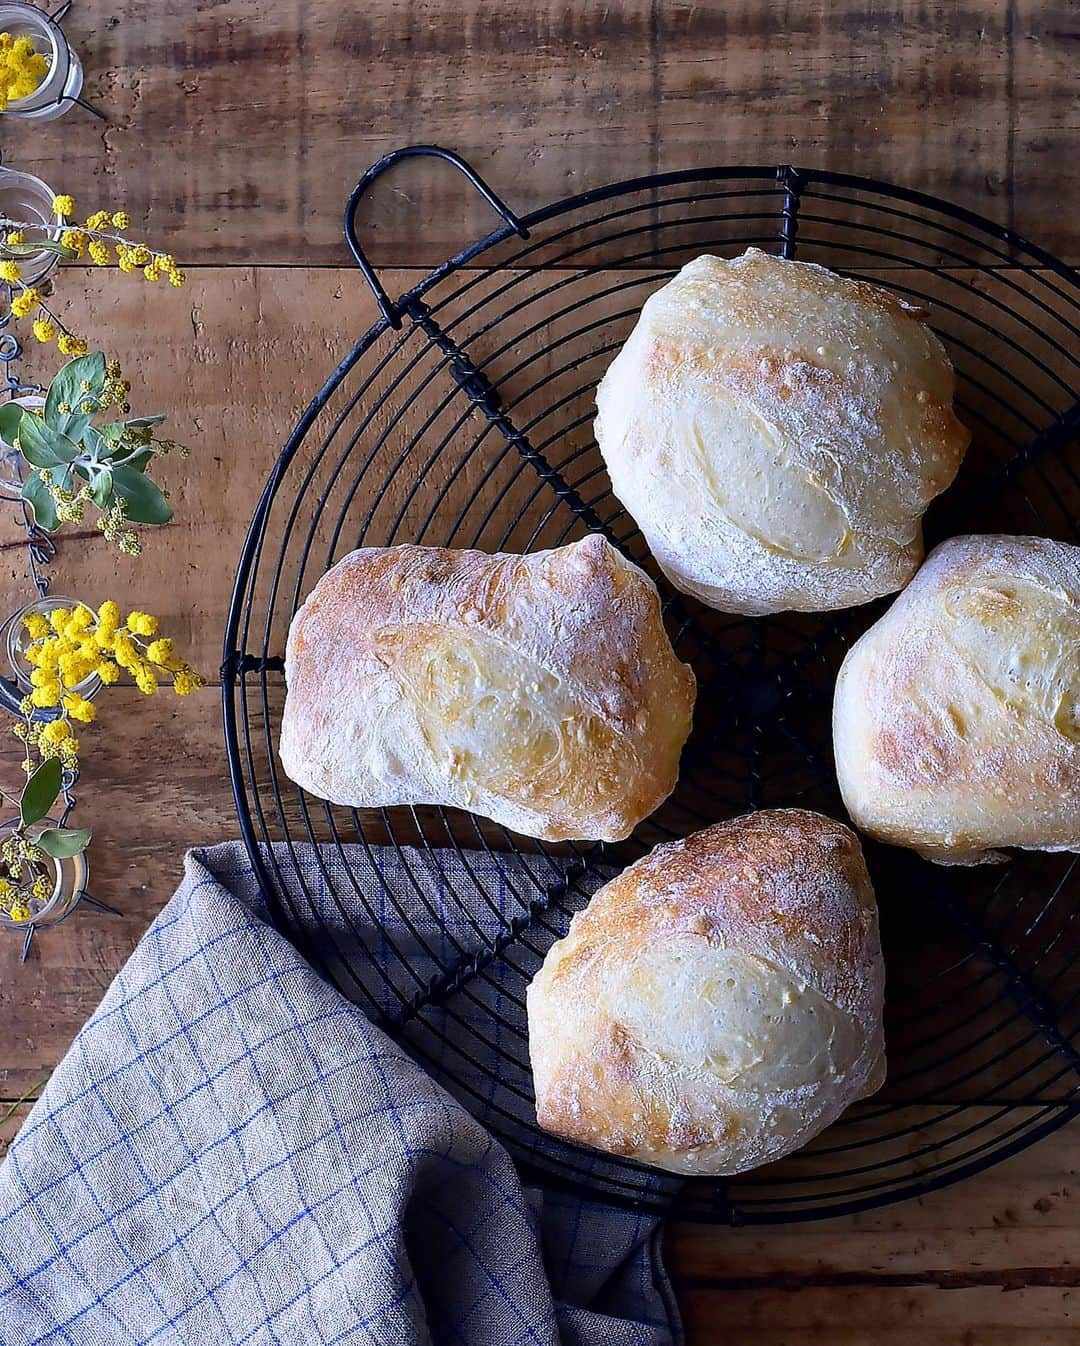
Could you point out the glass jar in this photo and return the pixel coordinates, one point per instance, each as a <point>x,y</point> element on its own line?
<point>11,468</point>
<point>26,198</point>
<point>69,878</point>
<point>63,80</point>
<point>18,639</point>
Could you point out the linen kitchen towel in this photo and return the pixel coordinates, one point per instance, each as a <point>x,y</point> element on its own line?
<point>233,1152</point>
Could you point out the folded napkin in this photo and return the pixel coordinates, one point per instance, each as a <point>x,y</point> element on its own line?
<point>232,1152</point>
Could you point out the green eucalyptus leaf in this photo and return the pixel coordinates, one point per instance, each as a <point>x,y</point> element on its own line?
<point>35,442</point>
<point>40,791</point>
<point>10,416</point>
<point>140,459</point>
<point>75,426</point>
<point>64,842</point>
<point>101,489</point>
<point>111,431</point>
<point>145,503</point>
<point>42,445</point>
<point>38,496</point>
<point>67,390</point>
<point>144,422</point>
<point>42,245</point>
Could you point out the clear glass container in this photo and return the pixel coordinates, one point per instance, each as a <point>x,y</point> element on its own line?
<point>69,883</point>
<point>26,198</point>
<point>17,641</point>
<point>64,78</point>
<point>11,468</point>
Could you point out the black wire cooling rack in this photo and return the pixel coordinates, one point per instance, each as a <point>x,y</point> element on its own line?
<point>463,418</point>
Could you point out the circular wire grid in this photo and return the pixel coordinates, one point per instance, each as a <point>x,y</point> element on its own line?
<point>470,424</point>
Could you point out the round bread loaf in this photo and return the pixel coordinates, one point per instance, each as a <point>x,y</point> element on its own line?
<point>777,432</point>
<point>540,691</point>
<point>956,722</point>
<point>719,1003</point>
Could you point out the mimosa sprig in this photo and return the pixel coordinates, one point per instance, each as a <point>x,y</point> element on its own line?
<point>65,649</point>
<point>74,644</point>
<point>21,68</point>
<point>102,238</point>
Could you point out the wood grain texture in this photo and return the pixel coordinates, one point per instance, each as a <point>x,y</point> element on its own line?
<point>282,106</point>
<point>236,130</point>
<point>1022,1214</point>
<point>854,1316</point>
<point>234,357</point>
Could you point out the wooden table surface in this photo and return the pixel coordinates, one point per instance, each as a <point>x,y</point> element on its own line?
<point>236,128</point>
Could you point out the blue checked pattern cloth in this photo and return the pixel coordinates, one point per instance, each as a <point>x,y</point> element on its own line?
<point>231,1152</point>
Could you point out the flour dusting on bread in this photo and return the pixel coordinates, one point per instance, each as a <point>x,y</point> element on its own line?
<point>777,432</point>
<point>956,720</point>
<point>540,690</point>
<point>718,1003</point>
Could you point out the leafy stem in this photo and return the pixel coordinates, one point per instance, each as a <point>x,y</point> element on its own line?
<point>48,244</point>
<point>75,459</point>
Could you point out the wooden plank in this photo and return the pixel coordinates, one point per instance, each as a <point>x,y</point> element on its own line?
<point>881,1276</point>
<point>282,107</point>
<point>1044,122</point>
<point>236,356</point>
<point>883,1316</point>
<point>904,93</point>
<point>1020,1214</point>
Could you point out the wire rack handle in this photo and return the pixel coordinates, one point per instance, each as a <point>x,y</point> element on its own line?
<point>390,311</point>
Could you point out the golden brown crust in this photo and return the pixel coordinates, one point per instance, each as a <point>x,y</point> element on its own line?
<point>717,1003</point>
<point>955,719</point>
<point>538,690</point>
<point>739,874</point>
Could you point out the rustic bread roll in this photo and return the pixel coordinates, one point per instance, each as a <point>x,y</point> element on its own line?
<point>777,432</point>
<point>540,691</point>
<point>719,1003</point>
<point>956,723</point>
